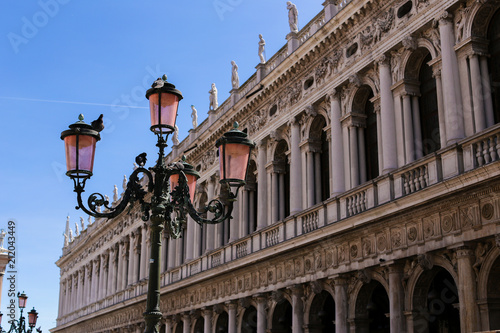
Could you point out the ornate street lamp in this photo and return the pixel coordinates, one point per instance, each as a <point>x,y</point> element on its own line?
<point>19,326</point>
<point>171,187</point>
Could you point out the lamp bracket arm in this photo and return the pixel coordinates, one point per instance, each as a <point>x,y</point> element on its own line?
<point>134,192</point>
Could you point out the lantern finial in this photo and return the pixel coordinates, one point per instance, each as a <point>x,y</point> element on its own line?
<point>164,77</point>
<point>80,117</point>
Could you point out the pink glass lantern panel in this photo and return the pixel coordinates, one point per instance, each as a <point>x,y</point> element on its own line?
<point>32,317</point>
<point>168,112</point>
<point>22,300</point>
<point>191,179</point>
<point>85,151</point>
<point>237,156</point>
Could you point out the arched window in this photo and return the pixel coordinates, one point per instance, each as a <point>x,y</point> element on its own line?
<point>280,183</point>
<point>318,163</point>
<point>371,139</point>
<point>417,106</point>
<point>494,63</point>
<point>429,118</point>
<point>249,212</point>
<point>362,136</point>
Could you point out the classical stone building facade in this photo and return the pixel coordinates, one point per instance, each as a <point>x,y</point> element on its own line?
<point>373,197</point>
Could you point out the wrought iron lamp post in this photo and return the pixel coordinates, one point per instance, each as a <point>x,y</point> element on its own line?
<point>19,326</point>
<point>170,188</point>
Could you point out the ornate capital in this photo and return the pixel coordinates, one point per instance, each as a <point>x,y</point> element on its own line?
<point>383,60</point>
<point>446,18</point>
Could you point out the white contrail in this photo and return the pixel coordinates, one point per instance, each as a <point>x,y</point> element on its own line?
<point>69,102</point>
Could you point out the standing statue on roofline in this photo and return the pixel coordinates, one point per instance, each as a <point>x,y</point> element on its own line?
<point>262,50</point>
<point>235,79</point>
<point>214,104</point>
<point>293,17</point>
<point>194,116</point>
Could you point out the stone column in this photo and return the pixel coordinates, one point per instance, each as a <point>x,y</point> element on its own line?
<point>297,308</point>
<point>95,279</point>
<point>168,325</point>
<point>179,251</point>
<point>61,295</point>
<point>270,195</point>
<point>251,212</point>
<point>354,168</point>
<point>408,127</point>
<point>275,196</point>
<point>337,146</point>
<point>360,132</point>
<point>467,293</point>
<point>310,178</point>
<point>261,313</point>
<point>477,93</point>
<point>125,263</point>
<point>317,177</point>
<point>281,191</point>
<point>346,159</point>
<point>488,103</point>
<point>119,269</point>
<point>88,283</point>
<point>171,254</point>
<point>131,260</point>
<point>186,321</point>
<point>451,90</point>
<point>137,256</point>
<point>111,270</point>
<point>103,276</point>
<point>81,287</point>
<point>207,320</point>
<point>295,169</point>
<point>210,228</point>
<point>400,133</point>
<point>341,311</point>
<point>232,316</point>
<point>189,239</point>
<point>396,299</point>
<point>417,127</point>
<point>144,260</point>
<point>388,124</point>
<point>442,122</point>
<point>262,183</point>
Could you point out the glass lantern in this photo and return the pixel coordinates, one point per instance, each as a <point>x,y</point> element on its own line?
<point>234,155</point>
<point>32,317</point>
<point>163,104</point>
<point>22,298</point>
<point>80,141</point>
<point>191,176</point>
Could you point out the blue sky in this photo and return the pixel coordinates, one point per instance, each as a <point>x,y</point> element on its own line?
<point>60,58</point>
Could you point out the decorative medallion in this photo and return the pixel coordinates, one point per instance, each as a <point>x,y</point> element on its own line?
<point>428,228</point>
<point>382,242</point>
<point>412,233</point>
<point>447,223</point>
<point>487,211</point>
<point>354,251</point>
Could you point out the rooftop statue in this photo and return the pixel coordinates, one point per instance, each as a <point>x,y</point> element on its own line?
<point>214,104</point>
<point>293,17</point>
<point>235,79</point>
<point>262,50</point>
<point>175,137</point>
<point>194,116</point>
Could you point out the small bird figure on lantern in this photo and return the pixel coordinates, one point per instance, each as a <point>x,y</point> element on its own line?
<point>98,124</point>
<point>141,159</point>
